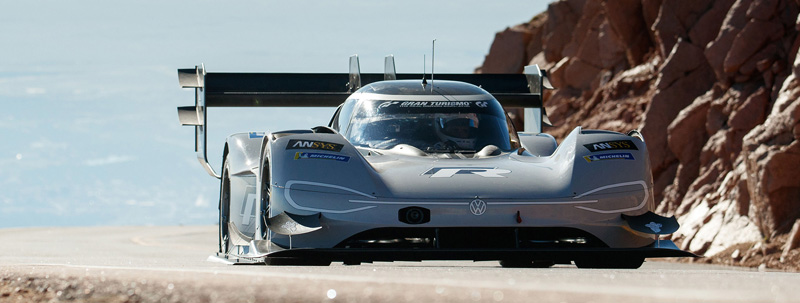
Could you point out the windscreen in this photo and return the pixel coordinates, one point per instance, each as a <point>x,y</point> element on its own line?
<point>431,126</point>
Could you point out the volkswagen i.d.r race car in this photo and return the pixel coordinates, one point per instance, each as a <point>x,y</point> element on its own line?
<point>412,169</point>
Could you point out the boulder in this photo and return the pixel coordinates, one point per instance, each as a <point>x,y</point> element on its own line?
<point>748,42</point>
<point>683,59</point>
<point>793,241</point>
<point>772,152</point>
<point>761,61</point>
<point>626,19</point>
<point>583,31</point>
<point>561,20</point>
<point>580,74</point>
<point>716,51</point>
<point>752,112</point>
<point>602,47</point>
<point>708,26</point>
<point>686,142</point>
<point>650,11</point>
<point>675,18</point>
<point>680,83</point>
<point>774,189</point>
<point>762,10</point>
<point>536,43</point>
<point>508,52</point>
<point>735,229</point>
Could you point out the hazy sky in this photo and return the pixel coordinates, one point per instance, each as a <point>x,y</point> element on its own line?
<point>88,90</point>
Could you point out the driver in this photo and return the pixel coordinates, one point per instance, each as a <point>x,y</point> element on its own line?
<point>456,131</point>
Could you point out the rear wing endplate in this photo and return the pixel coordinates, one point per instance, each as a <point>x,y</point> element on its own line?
<point>331,90</point>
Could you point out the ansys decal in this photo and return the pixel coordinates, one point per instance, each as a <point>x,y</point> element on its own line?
<point>610,145</point>
<point>311,144</point>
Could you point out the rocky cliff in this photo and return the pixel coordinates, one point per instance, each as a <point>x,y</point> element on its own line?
<point>712,85</point>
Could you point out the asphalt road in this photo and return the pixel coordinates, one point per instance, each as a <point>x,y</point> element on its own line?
<point>169,264</point>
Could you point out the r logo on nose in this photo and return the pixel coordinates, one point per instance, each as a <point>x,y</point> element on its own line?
<point>447,172</point>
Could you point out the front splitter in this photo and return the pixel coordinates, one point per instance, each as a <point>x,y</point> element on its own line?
<point>355,255</point>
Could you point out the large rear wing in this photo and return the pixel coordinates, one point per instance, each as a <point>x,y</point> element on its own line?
<point>332,89</point>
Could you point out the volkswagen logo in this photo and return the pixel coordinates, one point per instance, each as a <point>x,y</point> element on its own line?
<point>477,207</point>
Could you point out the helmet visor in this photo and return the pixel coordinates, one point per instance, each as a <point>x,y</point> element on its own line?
<point>462,128</point>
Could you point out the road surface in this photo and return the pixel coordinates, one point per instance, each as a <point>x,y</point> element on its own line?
<point>169,264</point>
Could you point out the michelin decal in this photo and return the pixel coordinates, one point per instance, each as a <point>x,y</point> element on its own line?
<point>616,156</point>
<point>304,155</point>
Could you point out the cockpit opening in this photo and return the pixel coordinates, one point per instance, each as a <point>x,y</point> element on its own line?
<point>431,126</point>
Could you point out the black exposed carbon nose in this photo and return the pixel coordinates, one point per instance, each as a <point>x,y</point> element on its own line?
<point>414,215</point>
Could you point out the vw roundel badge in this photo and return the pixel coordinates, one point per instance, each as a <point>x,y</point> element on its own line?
<point>477,207</point>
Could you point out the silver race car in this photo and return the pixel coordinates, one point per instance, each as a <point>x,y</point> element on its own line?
<point>412,169</point>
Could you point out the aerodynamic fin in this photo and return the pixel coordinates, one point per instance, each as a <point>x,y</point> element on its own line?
<point>188,116</point>
<point>388,68</point>
<point>651,223</point>
<point>536,117</point>
<point>355,75</point>
<point>191,77</point>
<point>237,237</point>
<point>291,224</point>
<point>545,119</point>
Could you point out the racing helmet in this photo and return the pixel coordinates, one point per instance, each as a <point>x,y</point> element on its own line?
<point>458,128</point>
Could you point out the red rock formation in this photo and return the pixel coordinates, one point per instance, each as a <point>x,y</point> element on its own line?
<point>508,51</point>
<point>713,86</point>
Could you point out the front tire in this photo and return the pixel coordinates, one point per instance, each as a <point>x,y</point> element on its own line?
<point>266,189</point>
<point>225,244</point>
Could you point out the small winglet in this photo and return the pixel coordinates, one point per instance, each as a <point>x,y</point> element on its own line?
<point>388,68</point>
<point>546,81</point>
<point>187,115</point>
<point>355,74</point>
<point>291,224</point>
<point>237,237</point>
<point>545,119</point>
<point>651,223</point>
<point>191,77</point>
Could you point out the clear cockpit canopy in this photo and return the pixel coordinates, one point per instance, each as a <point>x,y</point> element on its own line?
<point>433,123</point>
